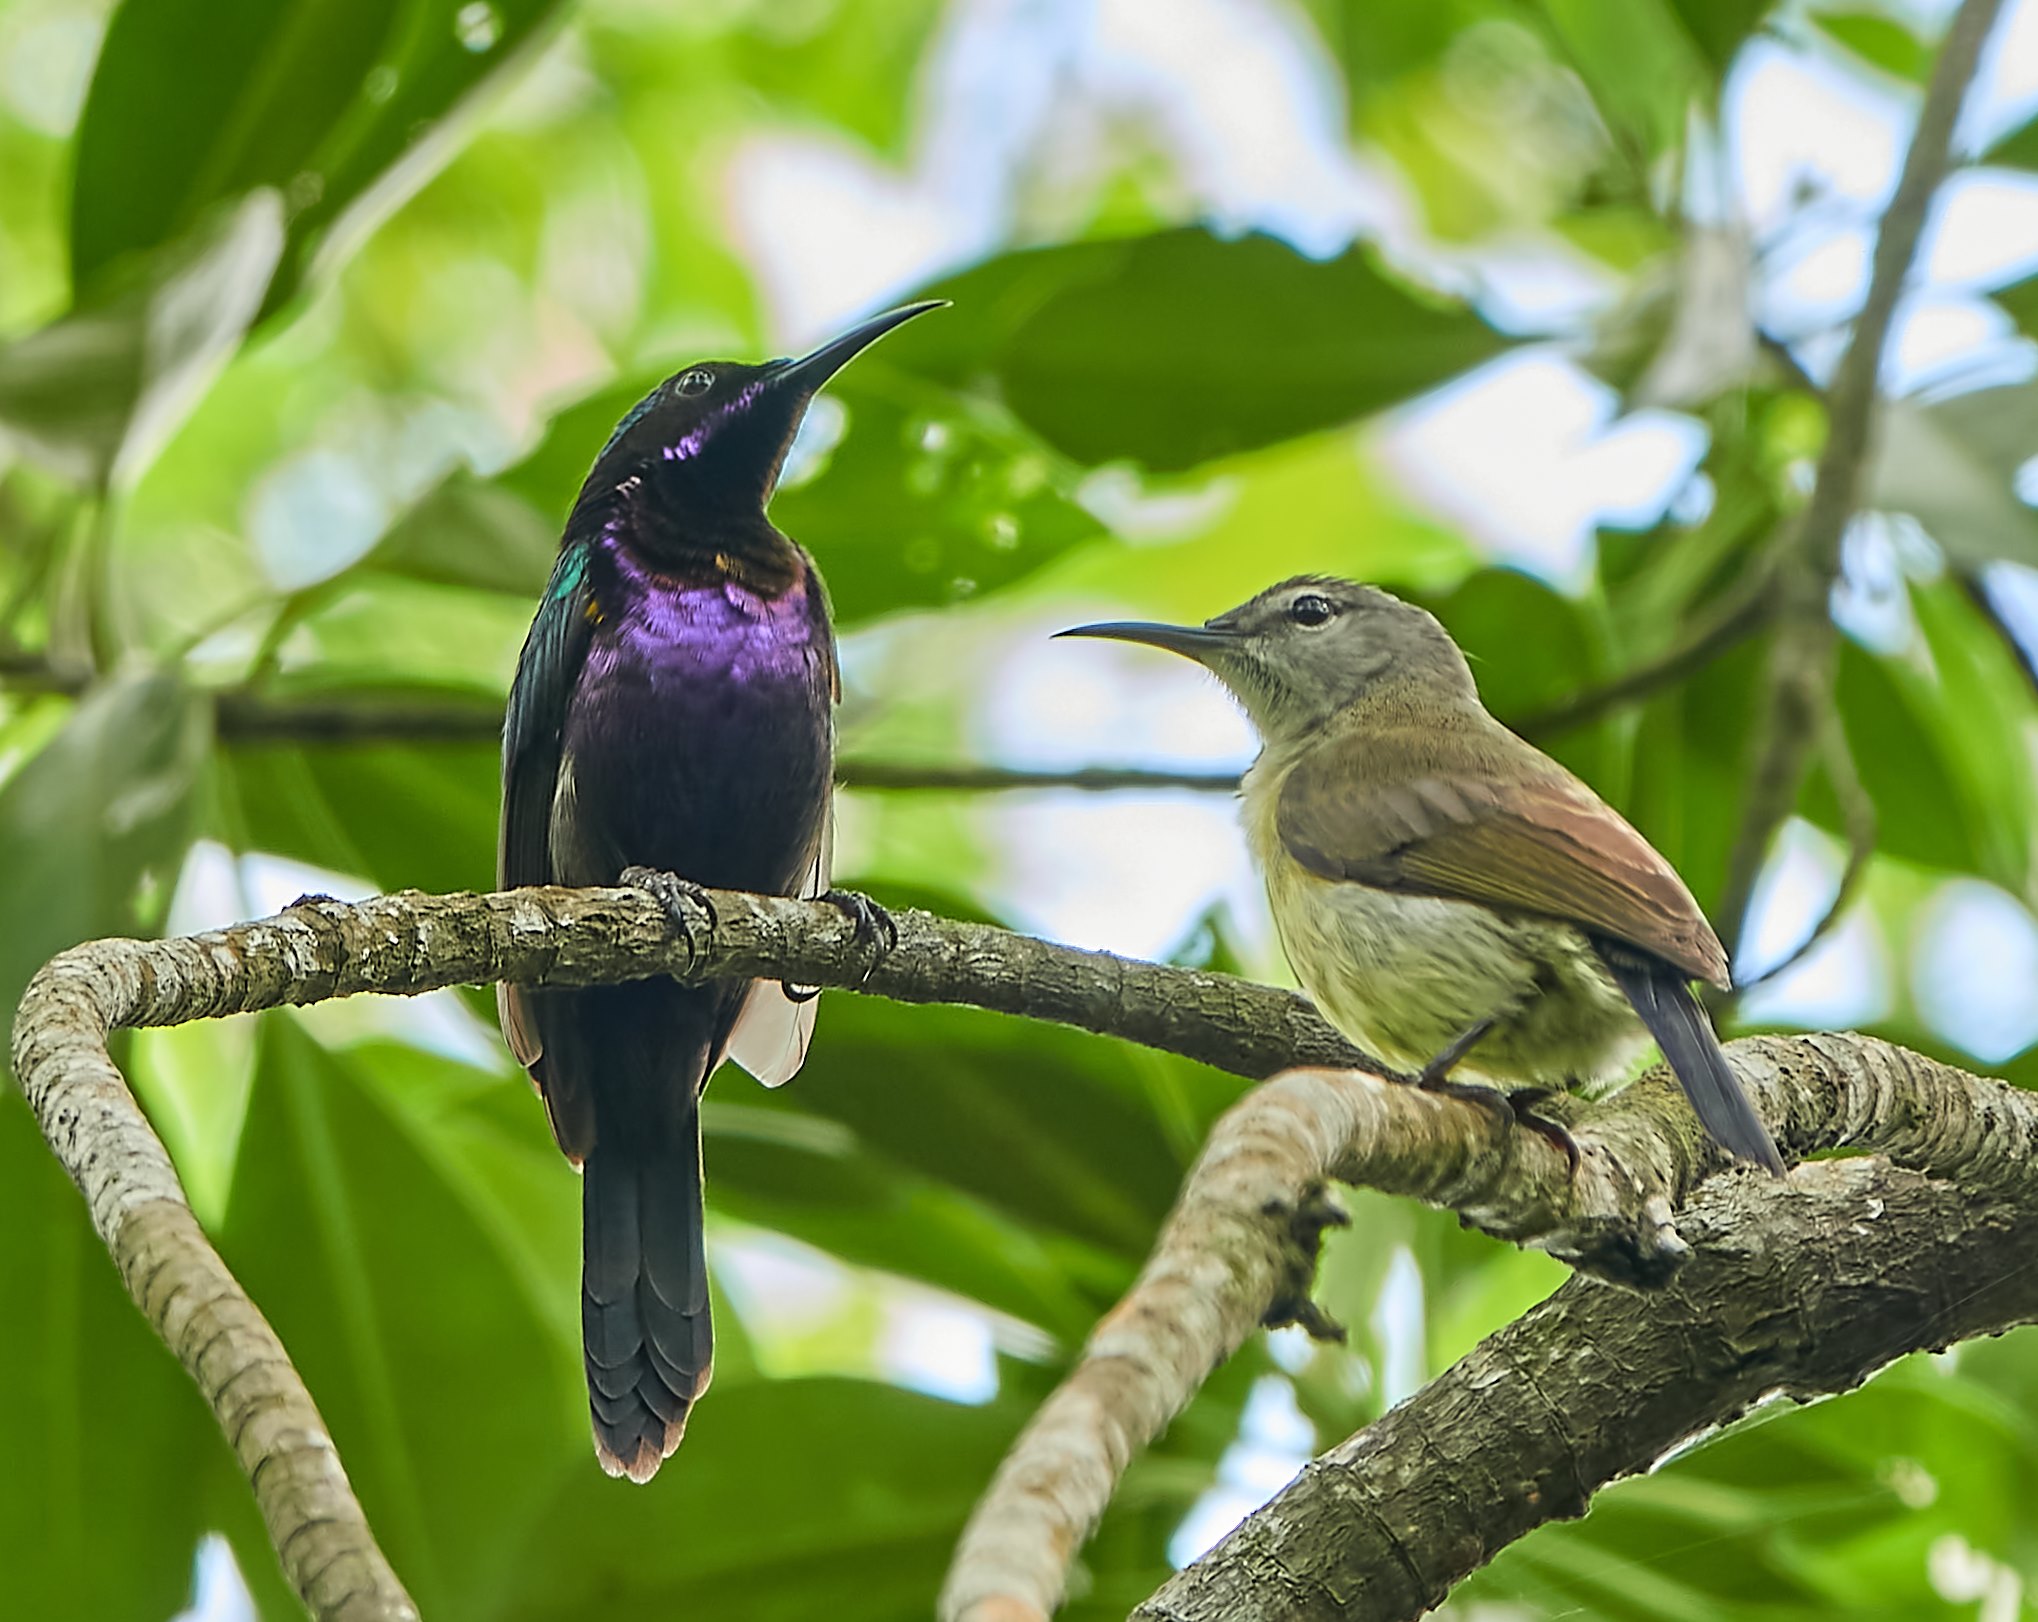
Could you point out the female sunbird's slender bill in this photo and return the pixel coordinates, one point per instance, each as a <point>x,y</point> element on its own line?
<point>671,723</point>
<point>1444,890</point>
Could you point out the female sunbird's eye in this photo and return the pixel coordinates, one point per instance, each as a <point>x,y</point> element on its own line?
<point>1311,609</point>
<point>697,381</point>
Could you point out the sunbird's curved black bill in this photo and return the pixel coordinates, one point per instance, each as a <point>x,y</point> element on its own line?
<point>809,372</point>
<point>1196,642</point>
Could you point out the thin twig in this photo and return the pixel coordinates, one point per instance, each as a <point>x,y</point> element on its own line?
<point>1732,623</point>
<point>1803,652</point>
<point>1857,819</point>
<point>253,719</point>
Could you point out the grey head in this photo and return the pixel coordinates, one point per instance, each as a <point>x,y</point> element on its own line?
<point>1300,652</point>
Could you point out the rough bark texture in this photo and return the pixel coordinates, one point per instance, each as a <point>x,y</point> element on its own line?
<point>1228,1254</point>
<point>1794,1290</point>
<point>411,943</point>
<point>1239,1247</point>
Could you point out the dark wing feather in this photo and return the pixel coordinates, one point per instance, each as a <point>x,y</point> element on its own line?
<point>1549,845</point>
<point>546,672</point>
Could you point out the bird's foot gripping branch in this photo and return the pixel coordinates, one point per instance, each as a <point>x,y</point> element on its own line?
<point>1802,1286</point>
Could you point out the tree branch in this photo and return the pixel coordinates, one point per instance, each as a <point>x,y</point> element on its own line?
<point>1227,1253</point>
<point>412,943</point>
<point>1240,1244</point>
<point>1798,1290</point>
<point>1741,617</point>
<point>1857,818</point>
<point>251,718</point>
<point>1802,654</point>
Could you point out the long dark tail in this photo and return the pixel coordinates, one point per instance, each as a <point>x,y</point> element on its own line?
<point>644,1294</point>
<point>1662,996</point>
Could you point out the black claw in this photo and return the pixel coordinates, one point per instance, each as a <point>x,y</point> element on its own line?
<point>684,903</point>
<point>1471,1092</point>
<point>875,928</point>
<point>1524,1103</point>
<point>313,898</point>
<point>1517,1108</point>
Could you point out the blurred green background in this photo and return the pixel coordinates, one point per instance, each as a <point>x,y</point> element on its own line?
<point>312,316</point>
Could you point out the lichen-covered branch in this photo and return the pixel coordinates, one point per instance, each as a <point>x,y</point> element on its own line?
<point>1240,1245</point>
<point>1795,1290</point>
<point>411,943</point>
<point>1228,1255</point>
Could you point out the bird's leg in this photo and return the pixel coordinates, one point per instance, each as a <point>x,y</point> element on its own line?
<point>873,929</point>
<point>1523,1103</point>
<point>1438,1069</point>
<point>683,900</point>
<point>1518,1106</point>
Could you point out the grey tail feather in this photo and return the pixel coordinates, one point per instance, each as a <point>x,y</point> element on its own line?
<point>644,1297</point>
<point>1662,996</point>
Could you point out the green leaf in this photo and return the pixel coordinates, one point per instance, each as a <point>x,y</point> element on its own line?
<point>1530,646</point>
<point>1050,1126</point>
<point>2020,301</point>
<point>1951,464</point>
<point>927,499</point>
<point>96,394</point>
<point>104,1433</point>
<point>1721,27</point>
<point>400,816</point>
<point>1939,735</point>
<point>2018,149</point>
<point>1375,45</point>
<point>790,1499</point>
<point>1179,347</point>
<point>470,532</point>
<point>1879,40</point>
<point>106,802</point>
<point>338,106</point>
<point>1643,69</point>
<point>410,1308</point>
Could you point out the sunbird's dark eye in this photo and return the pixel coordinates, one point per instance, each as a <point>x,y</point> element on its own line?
<point>1310,609</point>
<point>697,381</point>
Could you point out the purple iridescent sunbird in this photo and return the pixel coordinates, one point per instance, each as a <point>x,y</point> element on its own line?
<point>673,711</point>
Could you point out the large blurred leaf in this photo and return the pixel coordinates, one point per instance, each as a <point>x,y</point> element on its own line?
<point>2018,148</point>
<point>790,1500</point>
<point>926,502</point>
<point>928,498</point>
<point>408,1309</point>
<point>1643,68</point>
<point>1059,1129</point>
<point>1182,346</point>
<point>96,394</point>
<point>1940,734</point>
<point>100,1429</point>
<point>402,816</point>
<point>1376,42</point>
<point>1721,27</point>
<point>1842,1509</point>
<point>105,802</point>
<point>1880,40</point>
<point>471,532</point>
<point>327,102</point>
<point>1952,465</point>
